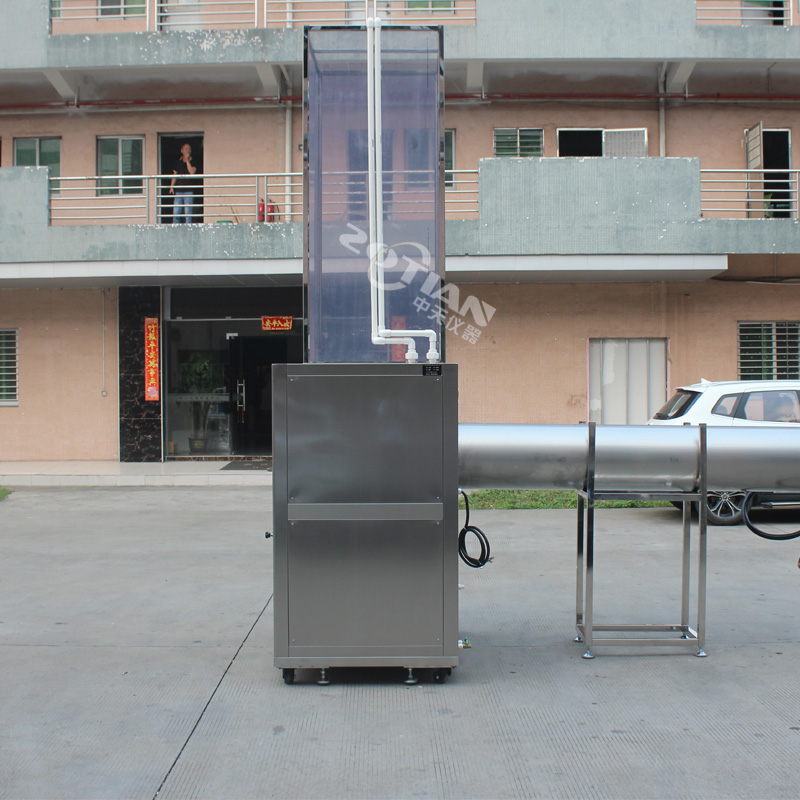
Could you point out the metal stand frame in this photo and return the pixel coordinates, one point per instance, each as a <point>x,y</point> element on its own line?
<point>690,638</point>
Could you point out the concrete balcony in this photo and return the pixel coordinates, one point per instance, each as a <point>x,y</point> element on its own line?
<point>594,219</point>
<point>83,50</point>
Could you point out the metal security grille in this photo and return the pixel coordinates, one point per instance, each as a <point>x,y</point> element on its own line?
<point>9,385</point>
<point>518,142</point>
<point>769,350</point>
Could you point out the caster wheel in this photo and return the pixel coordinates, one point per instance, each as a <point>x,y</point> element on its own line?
<point>441,675</point>
<point>288,676</point>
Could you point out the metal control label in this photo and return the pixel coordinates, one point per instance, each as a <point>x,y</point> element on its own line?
<point>432,369</point>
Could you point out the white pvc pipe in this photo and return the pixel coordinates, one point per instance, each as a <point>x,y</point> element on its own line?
<point>380,333</point>
<point>375,194</point>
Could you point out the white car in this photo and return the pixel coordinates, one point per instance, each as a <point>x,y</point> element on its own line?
<point>733,403</point>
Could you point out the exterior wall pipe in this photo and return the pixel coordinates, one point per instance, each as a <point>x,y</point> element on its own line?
<point>139,104</point>
<point>635,458</point>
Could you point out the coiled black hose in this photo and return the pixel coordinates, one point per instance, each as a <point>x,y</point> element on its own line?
<point>485,556</point>
<point>749,499</point>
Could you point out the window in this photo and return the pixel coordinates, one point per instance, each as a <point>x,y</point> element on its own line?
<point>769,350</point>
<point>677,405</point>
<point>772,407</point>
<point>357,168</point>
<point>725,406</point>
<point>39,152</point>
<point>355,11</point>
<point>765,12</point>
<point>120,156</point>
<point>596,142</point>
<point>9,368</point>
<point>580,143</point>
<point>518,142</point>
<point>449,156</point>
<point>430,5</point>
<point>126,8</point>
<point>419,158</point>
<point>55,9</point>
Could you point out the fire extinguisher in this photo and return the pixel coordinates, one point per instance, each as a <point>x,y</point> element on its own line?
<point>266,212</point>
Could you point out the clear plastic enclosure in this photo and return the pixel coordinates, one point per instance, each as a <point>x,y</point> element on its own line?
<point>338,268</point>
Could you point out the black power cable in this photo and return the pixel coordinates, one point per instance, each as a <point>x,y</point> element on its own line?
<point>485,556</point>
<point>749,499</point>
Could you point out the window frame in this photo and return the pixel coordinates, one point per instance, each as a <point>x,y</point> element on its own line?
<point>603,132</point>
<point>54,184</point>
<point>9,365</point>
<point>518,153</point>
<point>115,9</point>
<point>765,360</point>
<point>718,407</point>
<point>418,178</point>
<point>431,6</point>
<point>115,185</point>
<point>766,398</point>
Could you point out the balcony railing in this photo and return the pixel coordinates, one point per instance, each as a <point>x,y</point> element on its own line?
<point>275,197</point>
<point>744,12</point>
<point>278,197</point>
<point>100,16</point>
<point>749,193</point>
<point>147,200</point>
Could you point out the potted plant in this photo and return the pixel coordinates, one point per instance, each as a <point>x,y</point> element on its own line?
<point>201,376</point>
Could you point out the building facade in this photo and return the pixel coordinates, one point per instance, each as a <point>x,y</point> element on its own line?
<point>621,211</point>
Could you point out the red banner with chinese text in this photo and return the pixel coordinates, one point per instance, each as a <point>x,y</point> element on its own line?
<point>276,323</point>
<point>152,365</point>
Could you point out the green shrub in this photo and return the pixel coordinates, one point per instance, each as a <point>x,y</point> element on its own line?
<point>536,498</point>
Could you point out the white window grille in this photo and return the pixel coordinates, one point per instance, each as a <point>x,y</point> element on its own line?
<point>518,142</point>
<point>769,350</point>
<point>9,368</point>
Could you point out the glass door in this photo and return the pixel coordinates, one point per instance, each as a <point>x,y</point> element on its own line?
<point>218,385</point>
<point>198,414</point>
<point>249,384</point>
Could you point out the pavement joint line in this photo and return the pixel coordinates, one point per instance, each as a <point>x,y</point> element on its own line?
<point>208,702</point>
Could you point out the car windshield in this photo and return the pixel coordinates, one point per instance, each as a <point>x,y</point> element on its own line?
<point>677,405</point>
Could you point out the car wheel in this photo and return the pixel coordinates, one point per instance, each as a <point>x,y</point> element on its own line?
<point>725,508</point>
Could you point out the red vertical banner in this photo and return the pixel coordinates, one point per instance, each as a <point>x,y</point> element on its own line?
<point>152,365</point>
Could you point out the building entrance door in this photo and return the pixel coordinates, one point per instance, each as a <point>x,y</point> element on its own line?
<point>217,374</point>
<point>249,384</point>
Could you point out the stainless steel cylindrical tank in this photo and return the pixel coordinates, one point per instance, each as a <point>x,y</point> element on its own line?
<point>635,458</point>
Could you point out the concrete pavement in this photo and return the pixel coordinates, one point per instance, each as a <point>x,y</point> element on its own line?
<point>136,647</point>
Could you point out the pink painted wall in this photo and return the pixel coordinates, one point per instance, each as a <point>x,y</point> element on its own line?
<point>62,413</point>
<point>530,362</point>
